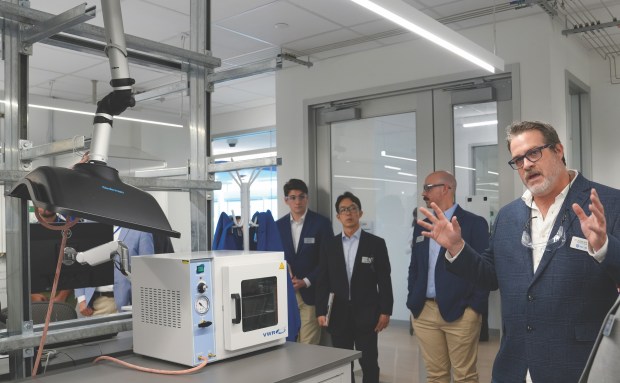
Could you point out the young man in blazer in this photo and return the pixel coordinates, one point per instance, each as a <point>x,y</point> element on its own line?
<point>554,254</point>
<point>447,309</point>
<point>355,267</point>
<point>302,232</point>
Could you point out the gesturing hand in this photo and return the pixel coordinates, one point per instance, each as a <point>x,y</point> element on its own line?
<point>594,227</point>
<point>446,233</point>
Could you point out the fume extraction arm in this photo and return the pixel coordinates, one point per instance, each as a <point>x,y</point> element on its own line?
<point>93,190</point>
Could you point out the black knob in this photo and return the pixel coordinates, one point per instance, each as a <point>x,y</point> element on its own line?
<point>202,287</point>
<point>204,324</point>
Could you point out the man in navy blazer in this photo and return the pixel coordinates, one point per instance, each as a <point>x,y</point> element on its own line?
<point>355,268</point>
<point>303,232</point>
<point>447,309</point>
<point>554,255</point>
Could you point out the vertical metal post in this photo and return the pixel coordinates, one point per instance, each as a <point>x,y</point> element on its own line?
<point>199,104</point>
<point>16,113</point>
<point>245,213</point>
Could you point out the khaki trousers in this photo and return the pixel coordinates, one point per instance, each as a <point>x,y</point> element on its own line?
<point>310,331</point>
<point>104,305</point>
<point>445,345</point>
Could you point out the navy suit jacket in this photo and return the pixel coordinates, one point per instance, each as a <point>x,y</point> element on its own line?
<point>453,294</point>
<point>305,262</point>
<point>550,319</point>
<point>371,284</point>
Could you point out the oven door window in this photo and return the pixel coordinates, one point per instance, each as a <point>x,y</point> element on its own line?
<point>259,303</point>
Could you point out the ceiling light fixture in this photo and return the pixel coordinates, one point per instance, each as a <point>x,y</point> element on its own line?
<point>35,106</point>
<point>374,179</point>
<point>74,111</point>
<point>419,23</point>
<point>407,174</point>
<point>391,167</point>
<point>384,154</point>
<point>481,123</point>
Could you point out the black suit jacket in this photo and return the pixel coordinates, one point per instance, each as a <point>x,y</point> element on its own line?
<point>305,261</point>
<point>371,284</point>
<point>453,294</point>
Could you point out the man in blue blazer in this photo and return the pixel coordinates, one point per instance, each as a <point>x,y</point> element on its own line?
<point>96,302</point>
<point>303,232</point>
<point>554,255</point>
<point>355,268</point>
<point>447,309</point>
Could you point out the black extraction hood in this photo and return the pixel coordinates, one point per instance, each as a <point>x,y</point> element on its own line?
<point>95,192</point>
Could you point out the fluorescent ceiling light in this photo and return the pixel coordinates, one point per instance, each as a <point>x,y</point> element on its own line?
<point>375,179</point>
<point>464,167</point>
<point>384,154</point>
<point>494,173</point>
<point>92,114</point>
<point>419,23</point>
<point>407,174</point>
<point>234,158</point>
<point>481,123</point>
<point>391,167</point>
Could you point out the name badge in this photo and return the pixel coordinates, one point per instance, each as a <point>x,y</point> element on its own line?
<point>579,243</point>
<point>309,240</point>
<point>419,239</point>
<point>367,259</point>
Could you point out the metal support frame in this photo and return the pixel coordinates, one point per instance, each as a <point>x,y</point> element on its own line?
<point>8,177</point>
<point>67,331</point>
<point>181,86</point>
<point>29,152</point>
<point>54,25</point>
<point>592,27</point>
<point>245,71</point>
<point>199,126</point>
<point>92,39</point>
<point>88,38</point>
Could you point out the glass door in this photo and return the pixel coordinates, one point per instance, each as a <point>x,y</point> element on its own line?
<point>376,157</point>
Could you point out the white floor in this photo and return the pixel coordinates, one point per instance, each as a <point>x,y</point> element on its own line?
<point>399,357</point>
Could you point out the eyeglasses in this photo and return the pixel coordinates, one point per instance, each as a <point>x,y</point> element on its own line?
<point>554,243</point>
<point>301,197</point>
<point>349,209</point>
<point>428,187</point>
<point>532,155</point>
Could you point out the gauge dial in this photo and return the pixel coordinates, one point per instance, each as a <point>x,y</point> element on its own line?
<point>202,305</point>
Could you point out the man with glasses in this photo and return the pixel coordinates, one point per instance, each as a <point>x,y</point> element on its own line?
<point>303,232</point>
<point>355,272</point>
<point>447,309</point>
<point>554,255</point>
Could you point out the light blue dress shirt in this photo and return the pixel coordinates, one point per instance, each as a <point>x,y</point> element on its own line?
<point>433,253</point>
<point>350,245</point>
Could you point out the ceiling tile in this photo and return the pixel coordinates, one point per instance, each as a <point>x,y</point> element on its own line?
<point>226,43</point>
<point>342,12</point>
<point>321,40</point>
<point>347,50</point>
<point>261,22</point>
<point>264,85</point>
<point>61,60</point>
<point>230,8</point>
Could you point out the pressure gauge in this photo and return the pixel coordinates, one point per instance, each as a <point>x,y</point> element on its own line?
<point>202,305</point>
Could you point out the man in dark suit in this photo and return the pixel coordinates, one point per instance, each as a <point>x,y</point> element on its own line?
<point>554,255</point>
<point>355,267</point>
<point>302,232</point>
<point>447,309</point>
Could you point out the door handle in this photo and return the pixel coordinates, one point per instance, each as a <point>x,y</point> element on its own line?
<point>237,298</point>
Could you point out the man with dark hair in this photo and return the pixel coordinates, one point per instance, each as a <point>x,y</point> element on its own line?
<point>554,254</point>
<point>303,232</point>
<point>355,272</point>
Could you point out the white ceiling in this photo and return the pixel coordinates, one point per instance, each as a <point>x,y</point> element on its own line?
<point>244,31</point>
